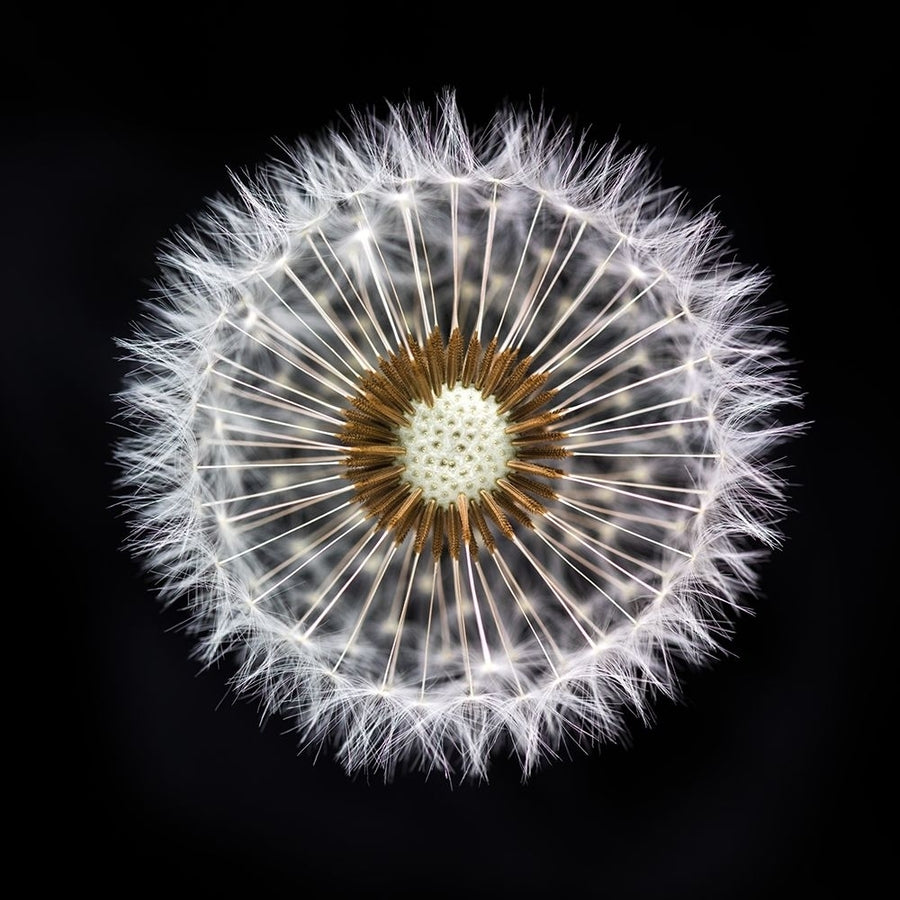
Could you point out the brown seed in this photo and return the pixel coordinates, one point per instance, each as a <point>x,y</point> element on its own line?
<point>386,400</point>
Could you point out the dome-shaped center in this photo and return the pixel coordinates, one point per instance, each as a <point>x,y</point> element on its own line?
<point>459,445</point>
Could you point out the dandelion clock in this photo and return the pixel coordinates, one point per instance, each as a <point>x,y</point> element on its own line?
<point>457,441</point>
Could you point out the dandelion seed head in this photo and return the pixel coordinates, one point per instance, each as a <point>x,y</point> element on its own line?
<point>458,441</point>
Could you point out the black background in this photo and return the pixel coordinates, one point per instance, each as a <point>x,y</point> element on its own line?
<point>145,771</point>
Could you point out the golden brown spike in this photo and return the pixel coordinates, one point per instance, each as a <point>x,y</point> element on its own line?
<point>529,385</point>
<point>470,363</point>
<point>533,424</point>
<point>437,360</point>
<point>373,407</point>
<point>482,526</point>
<point>358,417</point>
<point>516,511</point>
<point>356,433</point>
<point>380,452</point>
<point>405,507</point>
<point>498,370</point>
<point>383,502</point>
<point>418,354</point>
<point>426,518</point>
<point>536,402</point>
<point>402,528</point>
<point>420,370</point>
<point>357,464</point>
<point>384,389</point>
<point>437,541</point>
<point>521,498</point>
<point>406,369</point>
<point>392,505</point>
<point>484,366</point>
<point>394,375</point>
<point>462,507</point>
<point>406,515</point>
<point>517,465</point>
<point>494,511</point>
<point>454,357</point>
<point>374,498</point>
<point>454,531</point>
<point>540,451</point>
<point>369,478</point>
<point>530,486</point>
<point>541,437</point>
<point>512,381</point>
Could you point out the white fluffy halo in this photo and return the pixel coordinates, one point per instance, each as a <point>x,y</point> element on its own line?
<point>273,389</point>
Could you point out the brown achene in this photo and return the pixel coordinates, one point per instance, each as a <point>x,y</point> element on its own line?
<point>418,374</point>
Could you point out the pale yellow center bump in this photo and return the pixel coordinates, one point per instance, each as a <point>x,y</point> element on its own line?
<point>458,445</point>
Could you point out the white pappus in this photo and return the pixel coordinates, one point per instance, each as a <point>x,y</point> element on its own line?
<point>458,440</point>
